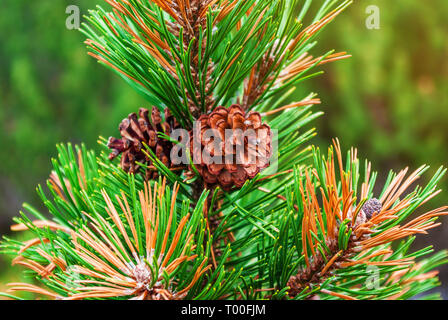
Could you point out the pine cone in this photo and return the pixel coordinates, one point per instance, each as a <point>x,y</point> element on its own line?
<point>247,132</point>
<point>135,130</point>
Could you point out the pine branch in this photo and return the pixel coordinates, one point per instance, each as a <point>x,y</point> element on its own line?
<point>286,61</point>
<point>340,232</point>
<point>190,22</point>
<point>191,56</point>
<point>130,239</point>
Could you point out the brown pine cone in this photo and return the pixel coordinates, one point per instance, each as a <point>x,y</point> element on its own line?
<point>246,152</point>
<point>137,129</point>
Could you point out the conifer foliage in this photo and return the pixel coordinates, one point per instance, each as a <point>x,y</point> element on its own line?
<point>131,223</point>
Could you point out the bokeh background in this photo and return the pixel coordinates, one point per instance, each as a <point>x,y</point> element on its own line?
<point>390,99</point>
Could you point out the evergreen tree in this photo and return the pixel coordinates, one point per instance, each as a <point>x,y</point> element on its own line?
<point>134,223</point>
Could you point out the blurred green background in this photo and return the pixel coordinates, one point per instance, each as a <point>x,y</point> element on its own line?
<point>390,99</point>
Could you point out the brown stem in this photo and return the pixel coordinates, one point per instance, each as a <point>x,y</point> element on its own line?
<point>320,269</point>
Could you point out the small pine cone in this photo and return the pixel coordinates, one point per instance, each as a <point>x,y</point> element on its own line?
<point>245,153</point>
<point>134,131</point>
<point>371,206</point>
<point>368,209</point>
